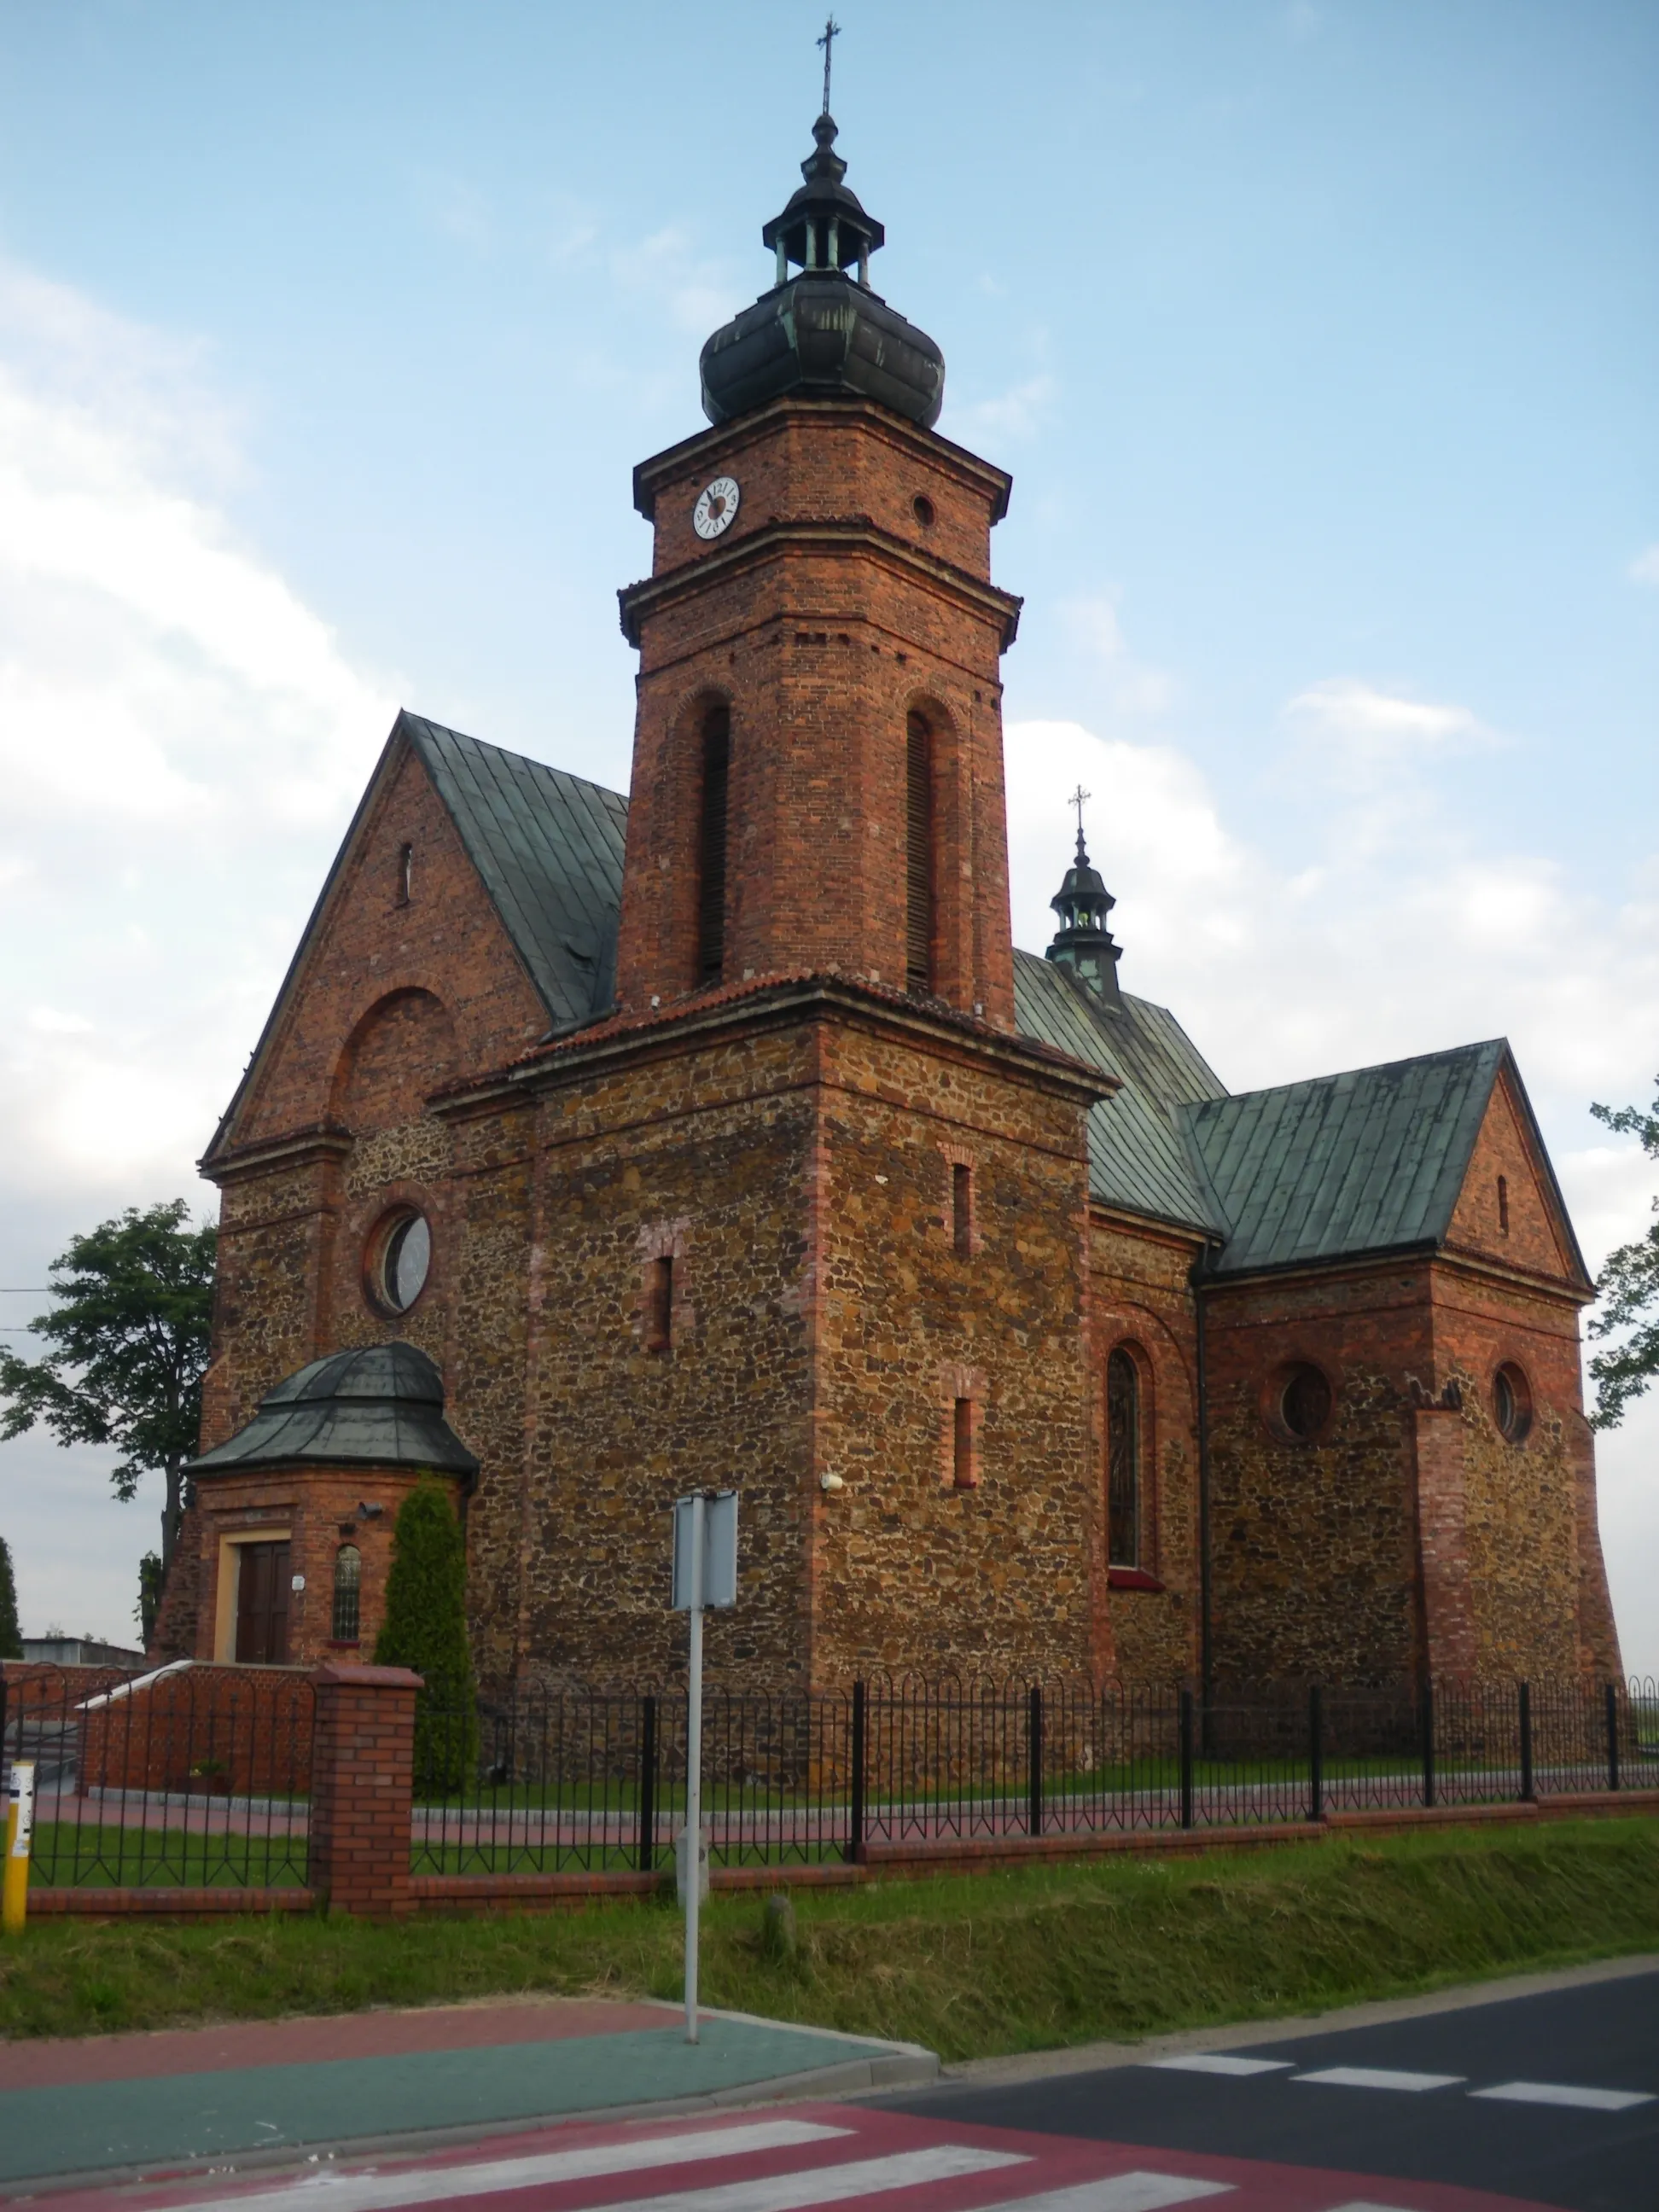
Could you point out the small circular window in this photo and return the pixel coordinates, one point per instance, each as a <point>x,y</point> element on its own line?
<point>922,508</point>
<point>1304,1401</point>
<point>1511,1403</point>
<point>399,1258</point>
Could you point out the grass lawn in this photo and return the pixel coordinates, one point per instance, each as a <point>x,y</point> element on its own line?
<point>969,1964</point>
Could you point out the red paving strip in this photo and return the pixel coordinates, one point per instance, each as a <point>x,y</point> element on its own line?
<point>54,2063</point>
<point>1045,2163</point>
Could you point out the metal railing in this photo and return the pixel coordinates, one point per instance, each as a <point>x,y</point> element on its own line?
<point>555,1782</point>
<point>185,1777</point>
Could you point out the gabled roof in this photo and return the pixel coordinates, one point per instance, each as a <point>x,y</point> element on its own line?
<point>1370,1161</point>
<point>1139,1158</point>
<point>549,848</point>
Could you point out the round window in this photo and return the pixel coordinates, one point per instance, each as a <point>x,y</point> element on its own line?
<point>1304,1402</point>
<point>400,1256</point>
<point>922,508</point>
<point>1511,1403</point>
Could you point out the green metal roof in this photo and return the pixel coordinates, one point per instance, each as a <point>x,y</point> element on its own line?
<point>549,848</point>
<point>1138,1158</point>
<point>1367,1161</point>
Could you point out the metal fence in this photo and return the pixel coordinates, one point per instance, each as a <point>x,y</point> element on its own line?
<point>187,1777</point>
<point>553,1783</point>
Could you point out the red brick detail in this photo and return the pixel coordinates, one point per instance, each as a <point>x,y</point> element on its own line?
<point>822,627</point>
<point>1442,1544</point>
<point>361,1789</point>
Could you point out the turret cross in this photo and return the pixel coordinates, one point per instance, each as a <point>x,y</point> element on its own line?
<point>1079,799</point>
<point>831,33</point>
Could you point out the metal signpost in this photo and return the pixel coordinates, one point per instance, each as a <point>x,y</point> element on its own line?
<point>705,1574</point>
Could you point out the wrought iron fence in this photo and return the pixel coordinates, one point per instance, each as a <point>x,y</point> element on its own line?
<point>185,1777</point>
<point>566,1783</point>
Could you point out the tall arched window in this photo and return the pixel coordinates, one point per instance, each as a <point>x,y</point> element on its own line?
<point>918,854</point>
<point>711,844</point>
<point>348,1584</point>
<point>1122,1460</point>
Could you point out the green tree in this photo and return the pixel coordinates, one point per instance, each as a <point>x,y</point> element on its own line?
<point>11,1638</point>
<point>425,1628</point>
<point>150,1584</point>
<point>129,1341</point>
<point>1628,1287</point>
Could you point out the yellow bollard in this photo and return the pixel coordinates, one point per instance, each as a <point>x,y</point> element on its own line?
<point>20,1828</point>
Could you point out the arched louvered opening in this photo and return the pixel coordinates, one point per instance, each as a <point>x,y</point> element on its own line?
<point>918,854</point>
<point>711,843</point>
<point>1123,1460</point>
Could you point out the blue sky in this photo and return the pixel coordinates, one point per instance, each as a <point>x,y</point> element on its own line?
<point>1321,340</point>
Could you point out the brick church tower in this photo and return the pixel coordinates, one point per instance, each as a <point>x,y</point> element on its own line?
<point>818,767</point>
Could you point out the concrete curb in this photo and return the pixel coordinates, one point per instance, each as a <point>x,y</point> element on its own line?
<point>1242,2035</point>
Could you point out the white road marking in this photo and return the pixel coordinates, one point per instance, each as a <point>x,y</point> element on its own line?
<point>1379,2077</point>
<point>1365,2205</point>
<point>1218,2062</point>
<point>831,2185</point>
<point>1120,2192</point>
<point>1564,2092</point>
<point>373,2192</point>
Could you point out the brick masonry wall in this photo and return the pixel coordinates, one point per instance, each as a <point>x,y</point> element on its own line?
<point>1141,1299</point>
<point>909,1572</point>
<point>822,641</point>
<point>242,1731</point>
<point>1313,1545</point>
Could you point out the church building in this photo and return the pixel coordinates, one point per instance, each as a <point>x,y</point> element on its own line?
<point>598,1149</point>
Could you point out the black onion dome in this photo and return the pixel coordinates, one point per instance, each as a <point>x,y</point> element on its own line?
<point>380,1405</point>
<point>1083,943</point>
<point>823,331</point>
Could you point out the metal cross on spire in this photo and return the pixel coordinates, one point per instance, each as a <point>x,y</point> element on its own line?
<point>831,33</point>
<point>1079,799</point>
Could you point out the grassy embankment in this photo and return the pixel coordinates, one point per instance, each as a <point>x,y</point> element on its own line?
<point>969,1966</point>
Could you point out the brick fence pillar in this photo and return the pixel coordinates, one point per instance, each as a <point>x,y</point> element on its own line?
<point>362,1788</point>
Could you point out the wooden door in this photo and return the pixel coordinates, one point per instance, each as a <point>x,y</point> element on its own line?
<point>262,1604</point>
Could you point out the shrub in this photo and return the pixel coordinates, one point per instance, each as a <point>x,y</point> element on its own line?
<point>425,1628</point>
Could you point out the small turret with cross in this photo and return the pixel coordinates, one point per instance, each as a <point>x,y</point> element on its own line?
<point>1083,943</point>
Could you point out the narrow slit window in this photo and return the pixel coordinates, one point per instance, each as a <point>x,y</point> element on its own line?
<point>964,1473</point>
<point>1123,1460</point>
<point>919,855</point>
<point>348,1587</point>
<point>660,1306</point>
<point>1504,1204</point>
<point>962,1207</point>
<point>405,874</point>
<point>711,845</point>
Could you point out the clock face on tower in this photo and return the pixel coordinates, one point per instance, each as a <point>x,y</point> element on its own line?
<point>717,505</point>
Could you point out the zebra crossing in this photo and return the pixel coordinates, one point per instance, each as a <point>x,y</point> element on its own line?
<point>794,2161</point>
<point>1565,2095</point>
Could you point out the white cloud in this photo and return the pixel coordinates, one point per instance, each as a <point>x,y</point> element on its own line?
<point>1645,568</point>
<point>1016,413</point>
<point>181,741</point>
<point>1132,687</point>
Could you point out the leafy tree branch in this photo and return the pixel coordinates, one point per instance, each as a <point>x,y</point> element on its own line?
<point>1628,1288</point>
<point>127,1346</point>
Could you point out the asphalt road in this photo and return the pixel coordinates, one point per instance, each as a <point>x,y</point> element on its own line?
<point>1601,2038</point>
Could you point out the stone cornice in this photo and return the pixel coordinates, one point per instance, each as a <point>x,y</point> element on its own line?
<point>1459,1260</point>
<point>832,535</point>
<point>727,439</point>
<point>322,1140</point>
<point>770,1004</point>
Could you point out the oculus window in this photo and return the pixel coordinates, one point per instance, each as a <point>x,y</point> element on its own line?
<point>400,1260</point>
